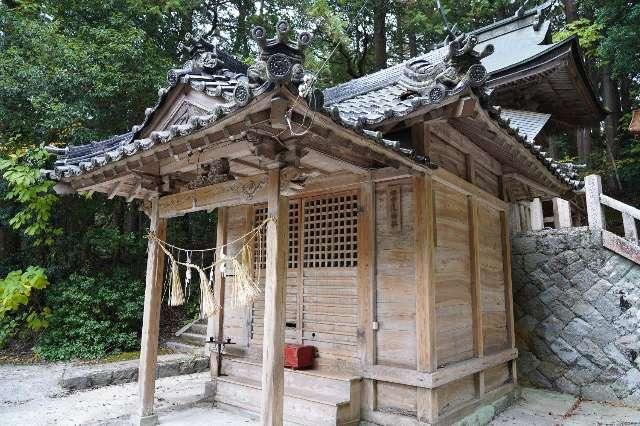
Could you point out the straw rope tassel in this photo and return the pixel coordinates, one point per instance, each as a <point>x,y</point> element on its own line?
<point>208,306</point>
<point>176,298</point>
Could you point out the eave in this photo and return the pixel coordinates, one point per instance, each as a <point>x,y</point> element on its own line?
<point>554,81</point>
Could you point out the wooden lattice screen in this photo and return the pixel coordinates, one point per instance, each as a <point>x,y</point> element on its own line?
<point>329,237</point>
<point>260,256</point>
<point>331,231</point>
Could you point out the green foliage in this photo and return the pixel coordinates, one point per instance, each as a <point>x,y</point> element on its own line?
<point>94,316</point>
<point>21,170</point>
<point>16,288</point>
<point>589,34</point>
<point>17,304</point>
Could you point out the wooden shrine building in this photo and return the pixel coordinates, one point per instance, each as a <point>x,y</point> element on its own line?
<point>389,250</point>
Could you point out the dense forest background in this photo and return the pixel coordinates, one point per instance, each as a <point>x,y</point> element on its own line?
<point>73,71</point>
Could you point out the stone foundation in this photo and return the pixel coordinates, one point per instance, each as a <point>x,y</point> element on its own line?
<point>577,313</point>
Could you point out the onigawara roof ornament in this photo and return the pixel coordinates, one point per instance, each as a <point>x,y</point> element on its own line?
<point>458,68</point>
<point>280,62</point>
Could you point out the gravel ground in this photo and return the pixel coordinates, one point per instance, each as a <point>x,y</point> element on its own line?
<point>30,395</point>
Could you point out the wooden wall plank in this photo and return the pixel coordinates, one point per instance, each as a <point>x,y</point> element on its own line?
<point>493,280</point>
<point>476,290</point>
<point>454,315</point>
<point>395,277</point>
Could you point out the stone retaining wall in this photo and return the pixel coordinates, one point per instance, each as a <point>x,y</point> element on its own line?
<point>577,313</point>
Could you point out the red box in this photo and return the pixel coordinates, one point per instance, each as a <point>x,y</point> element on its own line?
<point>298,357</point>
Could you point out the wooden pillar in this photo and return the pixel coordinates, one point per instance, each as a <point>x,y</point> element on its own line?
<point>367,285</point>
<point>514,215</point>
<point>151,318</point>
<point>508,289</point>
<point>215,324</point>
<point>630,229</point>
<point>593,191</point>
<point>561,213</point>
<point>424,228</point>
<point>274,304</point>
<point>476,288</point>
<point>537,217</point>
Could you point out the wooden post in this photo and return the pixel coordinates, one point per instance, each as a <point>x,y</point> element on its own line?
<point>476,288</point>
<point>151,319</point>
<point>508,288</point>
<point>630,229</point>
<point>561,213</point>
<point>274,304</point>
<point>514,215</point>
<point>215,324</point>
<point>537,217</point>
<point>424,224</point>
<point>592,191</point>
<point>367,285</point>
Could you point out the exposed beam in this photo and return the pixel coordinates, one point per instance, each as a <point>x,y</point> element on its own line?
<point>115,188</point>
<point>530,184</point>
<point>249,164</point>
<point>234,192</point>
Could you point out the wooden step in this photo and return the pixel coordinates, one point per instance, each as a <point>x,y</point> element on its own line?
<point>304,406</point>
<point>331,383</point>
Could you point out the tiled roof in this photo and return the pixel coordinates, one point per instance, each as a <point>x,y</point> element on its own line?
<point>429,79</point>
<point>223,83</point>
<point>515,39</point>
<point>528,123</point>
<point>565,172</point>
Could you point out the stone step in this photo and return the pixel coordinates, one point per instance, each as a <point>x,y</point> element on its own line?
<point>198,328</point>
<point>301,406</point>
<point>192,338</point>
<point>186,348</point>
<point>331,383</point>
<point>95,376</point>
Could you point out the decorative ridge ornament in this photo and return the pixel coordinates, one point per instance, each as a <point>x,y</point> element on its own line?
<point>280,59</point>
<point>458,68</point>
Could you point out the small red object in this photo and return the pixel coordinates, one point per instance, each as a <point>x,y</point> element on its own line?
<point>298,357</point>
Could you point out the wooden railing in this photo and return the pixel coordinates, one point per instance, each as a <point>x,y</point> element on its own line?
<point>627,246</point>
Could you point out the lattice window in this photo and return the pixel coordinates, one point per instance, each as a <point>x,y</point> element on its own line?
<point>260,256</point>
<point>331,231</point>
<point>294,234</point>
<point>260,253</point>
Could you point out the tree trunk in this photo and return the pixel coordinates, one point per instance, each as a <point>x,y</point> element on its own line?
<point>570,10</point>
<point>413,43</point>
<point>583,139</point>
<point>552,147</point>
<point>240,42</point>
<point>131,218</point>
<point>612,103</point>
<point>626,102</point>
<point>379,35</point>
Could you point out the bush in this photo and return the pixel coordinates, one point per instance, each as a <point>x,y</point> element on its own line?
<point>19,303</point>
<point>93,316</point>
